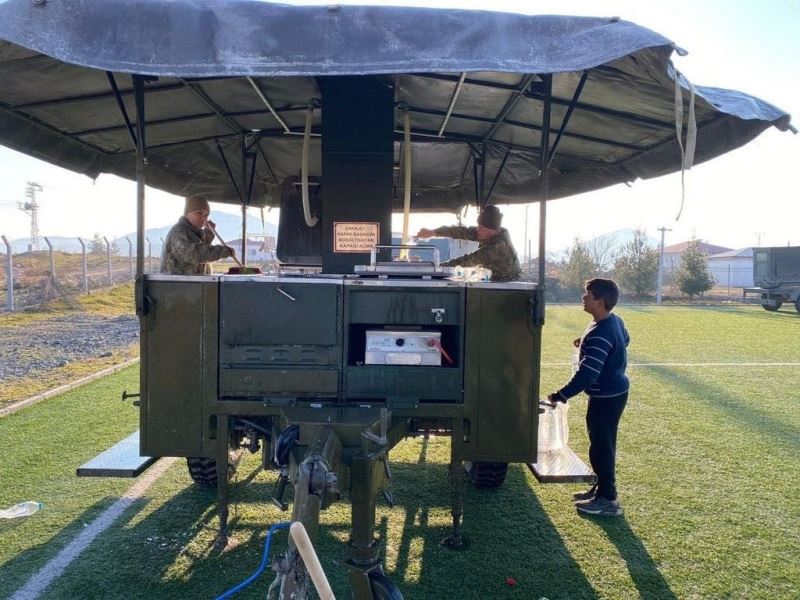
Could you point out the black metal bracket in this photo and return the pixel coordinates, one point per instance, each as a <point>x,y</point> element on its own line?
<point>228,169</point>
<point>573,103</point>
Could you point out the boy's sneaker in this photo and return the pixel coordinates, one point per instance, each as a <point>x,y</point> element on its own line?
<point>587,495</point>
<point>600,507</point>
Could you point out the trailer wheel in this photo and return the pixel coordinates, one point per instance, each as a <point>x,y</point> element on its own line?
<point>772,305</point>
<point>797,304</point>
<point>487,474</point>
<point>383,588</point>
<point>203,470</point>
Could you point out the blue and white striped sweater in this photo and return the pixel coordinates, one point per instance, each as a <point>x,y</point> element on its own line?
<point>603,358</point>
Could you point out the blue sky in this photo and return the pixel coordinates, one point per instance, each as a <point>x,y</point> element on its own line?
<point>748,195</point>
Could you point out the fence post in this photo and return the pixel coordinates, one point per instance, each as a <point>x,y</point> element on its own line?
<point>149,253</point>
<point>130,257</point>
<point>9,276</point>
<point>729,281</point>
<point>52,259</point>
<point>108,261</point>
<point>84,271</point>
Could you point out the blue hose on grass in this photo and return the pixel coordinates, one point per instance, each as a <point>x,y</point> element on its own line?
<point>240,586</point>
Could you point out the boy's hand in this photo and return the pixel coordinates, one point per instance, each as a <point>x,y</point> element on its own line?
<point>556,397</point>
<point>576,342</point>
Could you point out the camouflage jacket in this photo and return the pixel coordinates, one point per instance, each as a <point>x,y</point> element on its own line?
<point>188,250</point>
<point>496,253</point>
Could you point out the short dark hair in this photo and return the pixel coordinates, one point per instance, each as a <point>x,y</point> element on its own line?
<point>605,289</point>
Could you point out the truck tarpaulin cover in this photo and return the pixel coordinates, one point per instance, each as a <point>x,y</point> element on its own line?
<point>224,70</point>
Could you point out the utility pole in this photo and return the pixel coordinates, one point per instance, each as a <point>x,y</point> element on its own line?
<point>663,230</point>
<point>31,208</point>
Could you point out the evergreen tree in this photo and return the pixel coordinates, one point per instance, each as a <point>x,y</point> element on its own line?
<point>98,246</point>
<point>692,275</point>
<point>636,267</point>
<point>578,267</point>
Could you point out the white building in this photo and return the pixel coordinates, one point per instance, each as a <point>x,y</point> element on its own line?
<point>259,249</point>
<point>733,268</point>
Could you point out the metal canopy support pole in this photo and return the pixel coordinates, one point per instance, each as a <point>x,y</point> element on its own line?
<point>243,197</point>
<point>138,95</point>
<point>9,275</point>
<point>84,270</point>
<point>544,179</point>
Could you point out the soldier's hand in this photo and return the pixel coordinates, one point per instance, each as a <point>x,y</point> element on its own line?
<point>425,233</point>
<point>210,224</point>
<point>229,251</point>
<point>576,342</point>
<point>555,397</point>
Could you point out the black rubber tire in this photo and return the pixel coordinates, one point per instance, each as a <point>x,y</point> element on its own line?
<point>797,305</point>
<point>383,588</point>
<point>487,474</point>
<point>773,305</point>
<point>203,471</point>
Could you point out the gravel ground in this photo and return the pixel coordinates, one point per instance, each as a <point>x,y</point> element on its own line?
<point>52,343</point>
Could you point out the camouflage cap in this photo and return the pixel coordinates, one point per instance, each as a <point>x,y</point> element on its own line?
<point>490,217</point>
<point>195,203</point>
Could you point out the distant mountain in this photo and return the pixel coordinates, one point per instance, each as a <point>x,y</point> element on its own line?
<point>228,225</point>
<point>615,241</point>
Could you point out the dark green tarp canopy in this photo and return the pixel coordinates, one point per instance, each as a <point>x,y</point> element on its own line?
<point>225,70</point>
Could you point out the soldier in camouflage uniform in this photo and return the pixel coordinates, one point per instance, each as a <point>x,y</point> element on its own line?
<point>495,250</point>
<point>188,249</point>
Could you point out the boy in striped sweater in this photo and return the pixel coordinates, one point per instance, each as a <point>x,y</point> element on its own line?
<point>601,374</point>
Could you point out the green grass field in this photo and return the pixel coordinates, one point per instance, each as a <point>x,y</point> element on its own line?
<point>708,474</point>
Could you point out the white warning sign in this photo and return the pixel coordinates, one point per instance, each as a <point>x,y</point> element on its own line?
<point>355,237</point>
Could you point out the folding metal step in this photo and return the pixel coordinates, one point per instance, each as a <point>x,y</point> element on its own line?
<point>561,466</point>
<point>121,460</point>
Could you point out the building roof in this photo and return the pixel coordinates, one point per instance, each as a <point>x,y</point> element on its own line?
<point>704,248</point>
<point>744,253</point>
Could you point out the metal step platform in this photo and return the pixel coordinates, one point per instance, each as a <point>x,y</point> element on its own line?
<point>561,466</point>
<point>121,460</point>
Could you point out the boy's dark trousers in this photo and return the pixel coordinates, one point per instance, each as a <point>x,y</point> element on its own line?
<point>602,421</point>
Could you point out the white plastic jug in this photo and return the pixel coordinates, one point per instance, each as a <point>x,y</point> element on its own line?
<point>553,428</point>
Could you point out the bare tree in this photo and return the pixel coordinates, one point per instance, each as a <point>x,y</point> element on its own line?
<point>602,251</point>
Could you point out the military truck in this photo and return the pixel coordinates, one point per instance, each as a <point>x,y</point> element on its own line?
<point>776,273</point>
<point>342,116</point>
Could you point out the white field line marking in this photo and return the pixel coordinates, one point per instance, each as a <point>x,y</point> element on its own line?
<point>40,580</point>
<point>12,408</point>
<point>699,364</point>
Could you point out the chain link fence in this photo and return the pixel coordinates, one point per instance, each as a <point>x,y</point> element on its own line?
<point>30,279</point>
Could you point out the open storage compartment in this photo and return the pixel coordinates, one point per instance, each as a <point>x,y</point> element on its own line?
<point>404,341</point>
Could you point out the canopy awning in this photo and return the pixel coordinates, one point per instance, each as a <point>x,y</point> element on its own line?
<point>470,80</point>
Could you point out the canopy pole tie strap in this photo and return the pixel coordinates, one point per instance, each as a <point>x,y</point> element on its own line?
<point>311,221</point>
<point>687,152</point>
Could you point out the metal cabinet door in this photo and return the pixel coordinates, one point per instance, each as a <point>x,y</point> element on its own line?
<point>501,374</point>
